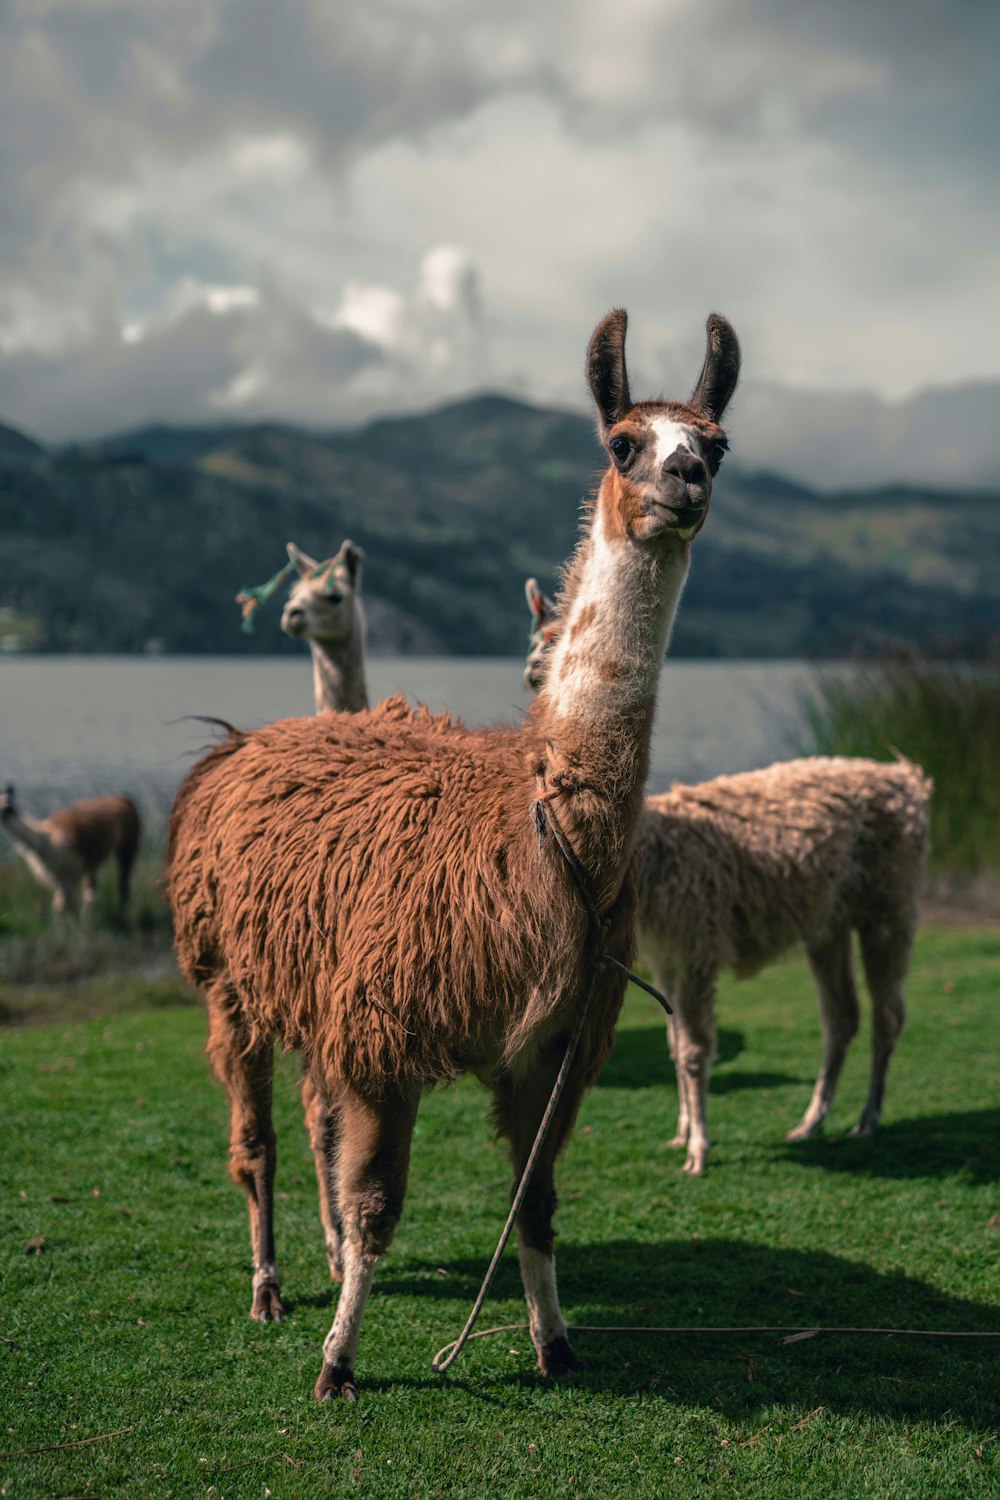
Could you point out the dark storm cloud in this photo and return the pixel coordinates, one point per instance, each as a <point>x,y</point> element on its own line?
<point>233,201</point>
<point>187,368</point>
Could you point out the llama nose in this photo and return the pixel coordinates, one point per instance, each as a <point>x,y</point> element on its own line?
<point>685,466</point>
<point>295,616</point>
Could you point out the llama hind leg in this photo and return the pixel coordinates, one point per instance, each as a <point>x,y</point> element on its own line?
<point>323,1126</point>
<point>246,1070</point>
<point>833,966</point>
<point>886,958</point>
<point>373,1157</point>
<point>518,1108</point>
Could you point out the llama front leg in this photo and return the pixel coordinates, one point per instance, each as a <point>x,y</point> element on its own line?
<point>246,1070</point>
<point>694,1042</point>
<point>832,964</point>
<point>373,1158</point>
<point>519,1106</point>
<point>665,980</point>
<point>885,956</point>
<point>323,1126</point>
<point>680,1138</point>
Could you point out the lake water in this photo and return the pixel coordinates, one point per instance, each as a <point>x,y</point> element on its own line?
<point>70,726</point>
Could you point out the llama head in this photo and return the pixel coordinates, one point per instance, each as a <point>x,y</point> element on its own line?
<point>322,605</point>
<point>664,454</point>
<point>543,633</point>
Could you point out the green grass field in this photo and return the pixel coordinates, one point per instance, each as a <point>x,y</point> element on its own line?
<point>36,949</point>
<point>132,1317</point>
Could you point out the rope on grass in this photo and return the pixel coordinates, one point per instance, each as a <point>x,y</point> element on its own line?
<point>790,1335</point>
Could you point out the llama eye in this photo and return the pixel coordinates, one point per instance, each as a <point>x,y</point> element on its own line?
<point>621,448</point>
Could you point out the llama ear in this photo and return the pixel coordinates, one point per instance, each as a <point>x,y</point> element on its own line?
<point>7,803</point>
<point>350,557</point>
<point>535,597</point>
<point>606,368</point>
<point>721,369</point>
<point>302,562</point>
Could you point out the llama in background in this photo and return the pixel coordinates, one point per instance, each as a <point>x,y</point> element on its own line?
<point>734,872</point>
<point>373,890</point>
<point>324,608</point>
<point>65,850</point>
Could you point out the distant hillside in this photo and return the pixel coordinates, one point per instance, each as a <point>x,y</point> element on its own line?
<point>143,539</point>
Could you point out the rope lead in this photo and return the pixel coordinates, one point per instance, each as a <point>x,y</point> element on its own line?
<point>546,819</point>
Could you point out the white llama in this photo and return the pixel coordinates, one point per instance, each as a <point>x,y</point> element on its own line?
<point>736,871</point>
<point>323,608</point>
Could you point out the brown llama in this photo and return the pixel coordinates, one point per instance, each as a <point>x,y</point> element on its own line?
<point>65,850</point>
<point>372,888</point>
<point>734,872</point>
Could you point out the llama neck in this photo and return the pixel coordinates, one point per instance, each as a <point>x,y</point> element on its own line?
<point>29,835</point>
<point>595,711</point>
<point>339,675</point>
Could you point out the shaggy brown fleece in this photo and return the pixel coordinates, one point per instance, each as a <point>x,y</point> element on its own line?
<point>390,913</point>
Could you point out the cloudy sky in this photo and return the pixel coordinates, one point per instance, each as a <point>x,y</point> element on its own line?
<point>318,210</point>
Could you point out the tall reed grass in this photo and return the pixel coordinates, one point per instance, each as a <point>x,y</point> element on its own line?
<point>945,717</point>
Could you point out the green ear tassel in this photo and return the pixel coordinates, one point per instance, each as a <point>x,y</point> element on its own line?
<point>251,599</point>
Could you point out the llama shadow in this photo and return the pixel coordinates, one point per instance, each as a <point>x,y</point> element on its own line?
<point>642,1060</point>
<point>723,1283</point>
<point>963,1143</point>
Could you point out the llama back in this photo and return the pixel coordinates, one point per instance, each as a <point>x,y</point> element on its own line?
<point>97,827</point>
<point>735,869</point>
<point>894,842</point>
<point>742,867</point>
<point>407,885</point>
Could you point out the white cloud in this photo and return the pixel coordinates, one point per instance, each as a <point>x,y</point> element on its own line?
<point>414,197</point>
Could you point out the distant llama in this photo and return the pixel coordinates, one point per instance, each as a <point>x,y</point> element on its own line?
<point>734,872</point>
<point>373,890</point>
<point>323,608</point>
<point>65,850</point>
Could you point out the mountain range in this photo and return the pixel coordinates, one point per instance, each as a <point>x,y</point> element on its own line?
<point>140,541</point>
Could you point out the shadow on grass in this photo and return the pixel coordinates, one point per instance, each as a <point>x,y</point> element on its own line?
<point>642,1060</point>
<point>931,1146</point>
<point>723,1283</point>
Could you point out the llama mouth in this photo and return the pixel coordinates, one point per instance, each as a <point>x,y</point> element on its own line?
<point>687,518</point>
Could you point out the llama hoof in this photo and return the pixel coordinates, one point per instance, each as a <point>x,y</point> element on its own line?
<point>336,1383</point>
<point>676,1142</point>
<point>267,1304</point>
<point>694,1166</point>
<point>862,1128</point>
<point>802,1132</point>
<point>557,1358</point>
